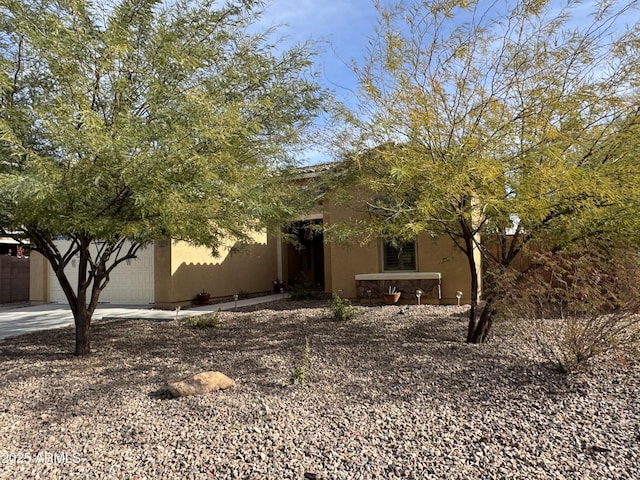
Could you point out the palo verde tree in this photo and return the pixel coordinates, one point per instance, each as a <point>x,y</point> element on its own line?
<point>129,121</point>
<point>498,123</point>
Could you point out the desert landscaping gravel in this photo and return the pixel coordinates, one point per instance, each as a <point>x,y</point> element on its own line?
<point>393,394</point>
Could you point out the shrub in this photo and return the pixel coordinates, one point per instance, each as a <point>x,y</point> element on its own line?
<point>203,321</point>
<point>579,305</point>
<point>300,292</point>
<point>302,289</point>
<point>341,310</point>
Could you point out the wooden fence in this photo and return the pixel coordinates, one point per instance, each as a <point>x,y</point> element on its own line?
<point>14,279</point>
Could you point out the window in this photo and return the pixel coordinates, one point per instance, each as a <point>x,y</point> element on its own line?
<point>401,257</point>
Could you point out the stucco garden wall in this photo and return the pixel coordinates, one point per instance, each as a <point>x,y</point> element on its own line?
<point>182,270</point>
<point>38,279</point>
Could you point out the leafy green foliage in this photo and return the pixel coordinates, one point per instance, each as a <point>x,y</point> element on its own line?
<point>300,293</point>
<point>203,321</point>
<point>127,122</point>
<point>341,310</point>
<point>517,124</point>
<point>303,289</point>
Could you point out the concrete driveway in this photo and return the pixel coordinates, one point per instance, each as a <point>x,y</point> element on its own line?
<point>19,320</point>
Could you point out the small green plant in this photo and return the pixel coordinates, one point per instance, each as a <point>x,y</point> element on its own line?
<point>203,321</point>
<point>341,310</point>
<point>302,292</point>
<point>299,372</point>
<point>392,289</point>
<point>302,289</point>
<point>243,295</point>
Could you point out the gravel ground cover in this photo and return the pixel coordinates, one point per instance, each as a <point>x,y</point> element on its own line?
<point>393,394</point>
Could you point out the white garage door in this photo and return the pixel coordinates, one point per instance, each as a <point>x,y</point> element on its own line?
<point>130,284</point>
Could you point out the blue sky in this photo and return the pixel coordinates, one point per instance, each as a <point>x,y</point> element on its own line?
<point>342,29</point>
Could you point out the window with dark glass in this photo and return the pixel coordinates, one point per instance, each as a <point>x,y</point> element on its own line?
<point>399,257</point>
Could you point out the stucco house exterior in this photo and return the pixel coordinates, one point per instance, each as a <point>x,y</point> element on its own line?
<point>435,266</point>
<point>168,273</point>
<point>361,272</point>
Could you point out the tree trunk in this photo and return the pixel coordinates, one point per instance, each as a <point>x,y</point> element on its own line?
<point>473,267</point>
<point>83,339</point>
<point>90,281</point>
<point>482,327</point>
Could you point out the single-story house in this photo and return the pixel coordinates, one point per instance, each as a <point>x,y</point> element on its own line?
<point>435,266</point>
<point>167,274</point>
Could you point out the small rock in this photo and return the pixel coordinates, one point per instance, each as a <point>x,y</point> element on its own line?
<point>200,384</point>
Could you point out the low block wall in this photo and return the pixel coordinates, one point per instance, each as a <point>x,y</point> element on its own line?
<point>406,282</point>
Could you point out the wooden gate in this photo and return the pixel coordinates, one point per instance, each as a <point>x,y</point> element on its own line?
<point>14,279</point>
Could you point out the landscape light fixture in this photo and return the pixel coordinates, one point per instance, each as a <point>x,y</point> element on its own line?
<point>418,295</point>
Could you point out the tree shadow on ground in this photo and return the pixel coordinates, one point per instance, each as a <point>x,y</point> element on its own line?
<point>385,354</point>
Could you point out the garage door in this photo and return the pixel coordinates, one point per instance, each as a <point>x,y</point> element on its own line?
<point>130,283</point>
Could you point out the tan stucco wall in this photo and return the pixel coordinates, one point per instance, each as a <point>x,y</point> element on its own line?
<point>38,279</point>
<point>441,255</point>
<point>433,255</point>
<point>163,283</point>
<point>344,262</point>
<point>349,261</point>
<point>182,270</point>
<point>478,260</point>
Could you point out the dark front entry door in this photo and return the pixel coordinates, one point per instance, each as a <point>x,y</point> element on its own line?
<point>306,255</point>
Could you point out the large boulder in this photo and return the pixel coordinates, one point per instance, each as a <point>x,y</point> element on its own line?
<point>200,383</point>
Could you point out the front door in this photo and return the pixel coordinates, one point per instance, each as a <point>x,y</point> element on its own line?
<point>306,255</point>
